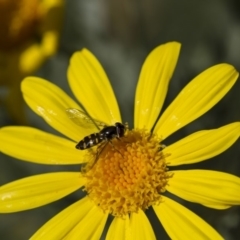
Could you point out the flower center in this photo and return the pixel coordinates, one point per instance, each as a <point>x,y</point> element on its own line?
<point>129,174</point>
<point>18,21</point>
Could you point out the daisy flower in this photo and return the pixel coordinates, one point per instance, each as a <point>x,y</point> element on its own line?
<point>130,174</point>
<point>29,30</point>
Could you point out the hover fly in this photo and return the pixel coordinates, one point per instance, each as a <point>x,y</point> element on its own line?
<point>105,134</point>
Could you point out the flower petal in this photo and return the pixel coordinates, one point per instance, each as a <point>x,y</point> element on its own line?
<point>83,216</point>
<point>91,226</point>
<point>91,87</point>
<point>181,223</point>
<point>35,191</point>
<point>153,83</point>
<point>50,102</point>
<point>26,63</point>
<point>141,228</point>
<point>210,188</point>
<point>201,94</point>
<point>202,145</point>
<point>36,146</point>
<point>119,229</point>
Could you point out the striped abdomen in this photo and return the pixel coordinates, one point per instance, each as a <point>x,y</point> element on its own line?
<point>89,141</point>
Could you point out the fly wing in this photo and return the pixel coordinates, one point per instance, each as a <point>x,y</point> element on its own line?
<point>82,119</point>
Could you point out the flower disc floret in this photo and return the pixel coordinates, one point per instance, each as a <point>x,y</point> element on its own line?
<point>129,174</point>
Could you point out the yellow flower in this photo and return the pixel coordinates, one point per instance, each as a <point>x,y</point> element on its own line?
<point>29,35</point>
<point>131,174</point>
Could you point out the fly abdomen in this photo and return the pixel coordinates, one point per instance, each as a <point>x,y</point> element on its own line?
<point>89,141</point>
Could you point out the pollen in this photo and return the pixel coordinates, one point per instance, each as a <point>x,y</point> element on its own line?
<point>129,173</point>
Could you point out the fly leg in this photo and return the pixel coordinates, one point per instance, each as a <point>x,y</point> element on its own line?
<point>99,151</point>
<point>109,141</point>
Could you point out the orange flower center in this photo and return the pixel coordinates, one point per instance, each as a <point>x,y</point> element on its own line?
<point>129,174</point>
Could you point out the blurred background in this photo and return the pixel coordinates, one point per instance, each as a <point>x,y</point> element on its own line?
<point>38,37</point>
